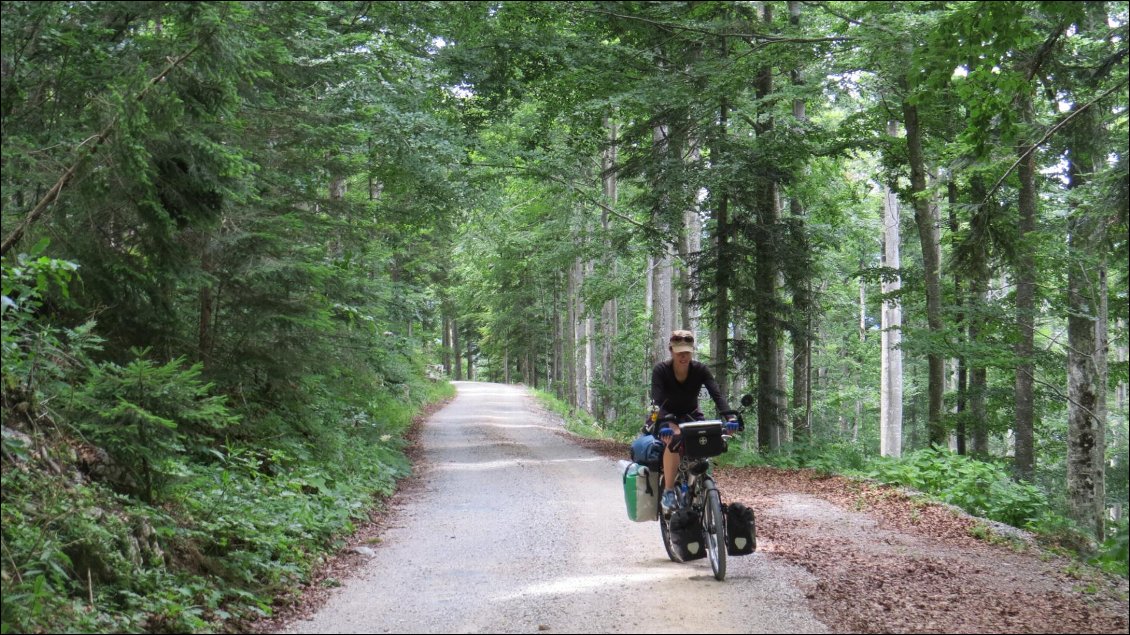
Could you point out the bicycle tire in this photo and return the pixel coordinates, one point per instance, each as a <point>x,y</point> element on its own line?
<point>715,527</point>
<point>665,534</point>
<point>665,530</point>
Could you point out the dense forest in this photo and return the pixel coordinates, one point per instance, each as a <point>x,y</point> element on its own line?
<point>245,242</point>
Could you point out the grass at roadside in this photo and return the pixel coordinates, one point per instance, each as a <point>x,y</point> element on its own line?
<point>579,422</point>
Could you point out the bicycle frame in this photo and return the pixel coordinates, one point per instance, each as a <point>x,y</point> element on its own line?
<point>704,498</point>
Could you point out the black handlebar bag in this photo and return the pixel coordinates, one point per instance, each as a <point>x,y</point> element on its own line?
<point>702,439</point>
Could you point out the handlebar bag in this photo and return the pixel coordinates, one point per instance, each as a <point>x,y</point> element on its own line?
<point>702,439</point>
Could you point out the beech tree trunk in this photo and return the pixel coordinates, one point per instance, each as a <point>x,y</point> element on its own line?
<point>663,271</point>
<point>924,218</point>
<point>1086,336</point>
<point>890,397</point>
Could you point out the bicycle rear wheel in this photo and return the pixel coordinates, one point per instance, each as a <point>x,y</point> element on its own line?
<point>715,527</point>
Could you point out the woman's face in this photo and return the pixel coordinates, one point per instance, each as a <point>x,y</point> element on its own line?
<point>682,360</point>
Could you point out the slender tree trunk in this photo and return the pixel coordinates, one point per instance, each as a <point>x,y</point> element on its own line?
<point>1025,456</point>
<point>858,420</point>
<point>590,349</point>
<point>455,347</point>
<point>609,315</point>
<point>446,355</point>
<point>662,314</point>
<point>691,245</point>
<point>928,235</point>
<point>738,380</point>
<point>206,335</point>
<point>977,431</point>
<point>765,273</point>
<point>801,333</point>
<point>890,399</point>
<point>559,345</point>
<point>1121,355</point>
<point>570,344</point>
<point>962,382</point>
<point>720,335</point>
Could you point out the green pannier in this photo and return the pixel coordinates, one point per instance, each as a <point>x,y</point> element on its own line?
<point>641,492</point>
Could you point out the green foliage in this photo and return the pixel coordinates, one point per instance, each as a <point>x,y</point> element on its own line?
<point>36,353</point>
<point>239,526</point>
<point>828,457</point>
<point>580,422</point>
<point>982,488</point>
<point>150,418</point>
<point>1114,553</point>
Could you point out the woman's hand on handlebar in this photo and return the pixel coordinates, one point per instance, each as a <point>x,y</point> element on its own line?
<point>669,429</point>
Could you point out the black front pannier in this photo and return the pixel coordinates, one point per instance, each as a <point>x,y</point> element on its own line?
<point>687,538</point>
<point>741,531</point>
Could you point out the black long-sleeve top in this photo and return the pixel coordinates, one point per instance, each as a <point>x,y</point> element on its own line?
<point>681,398</point>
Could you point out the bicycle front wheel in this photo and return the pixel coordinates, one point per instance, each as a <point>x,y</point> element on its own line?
<point>714,525</point>
<point>665,534</point>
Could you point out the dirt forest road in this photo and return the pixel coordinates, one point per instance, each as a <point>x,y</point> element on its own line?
<point>513,529</point>
<point>513,525</point>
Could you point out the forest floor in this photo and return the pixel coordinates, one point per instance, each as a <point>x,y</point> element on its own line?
<point>880,560</point>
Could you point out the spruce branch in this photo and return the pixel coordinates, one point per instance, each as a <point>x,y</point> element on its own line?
<point>94,143</point>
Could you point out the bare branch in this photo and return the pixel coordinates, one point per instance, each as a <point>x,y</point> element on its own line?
<point>1051,131</point>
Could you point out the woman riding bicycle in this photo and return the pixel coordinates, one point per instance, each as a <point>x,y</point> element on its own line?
<point>675,384</point>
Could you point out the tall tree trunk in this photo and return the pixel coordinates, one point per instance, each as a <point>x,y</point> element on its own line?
<point>801,333</point>
<point>455,347</point>
<point>690,246</point>
<point>206,334</point>
<point>720,335</point>
<point>961,380</point>
<point>446,328</point>
<point>928,235</point>
<point>1025,456</point>
<point>978,429</point>
<point>570,344</point>
<point>609,314</point>
<point>662,314</point>
<point>890,398</point>
<point>765,273</point>
<point>559,379</point>
<point>589,325</point>
<point>1086,350</point>
<point>858,420</point>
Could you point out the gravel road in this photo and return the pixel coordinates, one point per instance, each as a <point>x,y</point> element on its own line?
<point>514,529</point>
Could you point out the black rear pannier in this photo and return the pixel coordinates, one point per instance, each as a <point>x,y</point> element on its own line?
<point>687,537</point>
<point>741,532</point>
